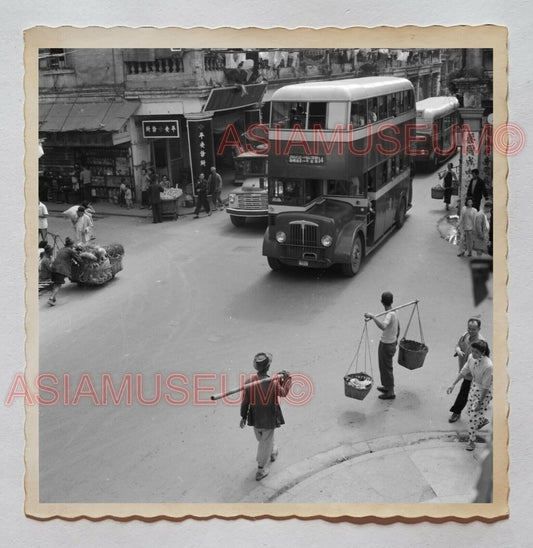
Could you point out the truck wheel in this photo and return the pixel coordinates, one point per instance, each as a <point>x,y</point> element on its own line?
<point>237,221</point>
<point>356,258</point>
<point>400,214</point>
<point>274,264</point>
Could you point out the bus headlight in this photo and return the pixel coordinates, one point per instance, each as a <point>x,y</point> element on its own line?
<point>281,237</point>
<point>231,198</point>
<point>326,240</point>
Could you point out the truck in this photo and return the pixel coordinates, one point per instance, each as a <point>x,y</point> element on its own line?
<point>250,200</point>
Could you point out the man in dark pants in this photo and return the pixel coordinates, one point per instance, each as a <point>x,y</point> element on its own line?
<point>155,199</point>
<point>260,408</point>
<point>476,189</point>
<point>462,351</point>
<point>201,197</point>
<point>387,346</point>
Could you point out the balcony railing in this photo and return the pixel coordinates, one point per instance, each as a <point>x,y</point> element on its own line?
<point>158,66</point>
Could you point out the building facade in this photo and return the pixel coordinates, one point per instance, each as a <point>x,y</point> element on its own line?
<point>117,112</point>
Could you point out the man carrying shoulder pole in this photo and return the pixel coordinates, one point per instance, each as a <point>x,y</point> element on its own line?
<point>387,345</point>
<point>260,408</point>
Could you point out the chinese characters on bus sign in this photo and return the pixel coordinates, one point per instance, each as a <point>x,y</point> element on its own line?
<point>306,160</point>
<point>157,129</point>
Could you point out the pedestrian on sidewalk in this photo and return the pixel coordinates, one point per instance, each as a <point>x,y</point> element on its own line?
<point>450,178</point>
<point>201,197</point>
<point>479,367</point>
<point>476,189</point>
<point>466,226</point>
<point>387,345</point>
<point>214,185</point>
<point>155,200</point>
<point>481,234</point>
<point>260,408</point>
<point>43,221</point>
<point>122,193</point>
<point>62,268</point>
<point>128,196</point>
<point>145,187</point>
<point>463,348</point>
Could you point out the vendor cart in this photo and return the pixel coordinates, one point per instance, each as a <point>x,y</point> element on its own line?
<point>169,208</point>
<point>169,202</point>
<point>97,265</point>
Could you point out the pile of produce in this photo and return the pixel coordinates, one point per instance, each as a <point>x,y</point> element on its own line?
<point>361,382</point>
<point>98,264</point>
<point>171,194</point>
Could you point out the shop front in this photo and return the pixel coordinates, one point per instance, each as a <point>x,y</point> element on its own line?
<point>87,150</point>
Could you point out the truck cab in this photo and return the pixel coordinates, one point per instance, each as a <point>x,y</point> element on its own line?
<point>251,199</point>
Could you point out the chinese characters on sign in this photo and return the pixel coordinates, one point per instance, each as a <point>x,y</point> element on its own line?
<point>201,147</point>
<point>157,129</point>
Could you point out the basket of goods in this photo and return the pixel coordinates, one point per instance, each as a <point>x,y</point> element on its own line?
<point>411,354</point>
<point>357,385</point>
<point>437,192</point>
<point>97,264</point>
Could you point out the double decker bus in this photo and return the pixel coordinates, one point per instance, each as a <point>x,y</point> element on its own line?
<point>436,120</point>
<point>339,178</point>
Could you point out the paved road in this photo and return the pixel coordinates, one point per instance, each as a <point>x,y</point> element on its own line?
<point>197,298</point>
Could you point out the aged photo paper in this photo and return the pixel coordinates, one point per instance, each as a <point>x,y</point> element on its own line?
<point>195,303</point>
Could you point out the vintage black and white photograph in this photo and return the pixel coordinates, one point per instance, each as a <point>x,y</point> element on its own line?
<point>265,275</point>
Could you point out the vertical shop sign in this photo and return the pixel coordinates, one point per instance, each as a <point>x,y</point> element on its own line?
<point>201,147</point>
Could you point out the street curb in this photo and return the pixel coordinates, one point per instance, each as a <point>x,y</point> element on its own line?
<point>273,486</point>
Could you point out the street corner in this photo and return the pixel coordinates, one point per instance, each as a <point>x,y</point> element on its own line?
<point>411,468</point>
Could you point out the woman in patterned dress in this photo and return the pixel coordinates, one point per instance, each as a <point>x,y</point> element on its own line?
<point>479,365</point>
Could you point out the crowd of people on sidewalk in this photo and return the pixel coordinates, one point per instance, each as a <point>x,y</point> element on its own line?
<point>475,368</point>
<point>475,222</point>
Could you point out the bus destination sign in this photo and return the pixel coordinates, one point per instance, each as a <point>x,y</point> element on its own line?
<point>307,160</point>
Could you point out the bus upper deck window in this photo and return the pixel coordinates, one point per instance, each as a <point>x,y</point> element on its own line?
<point>373,110</point>
<point>317,115</point>
<point>382,107</point>
<point>297,116</point>
<point>358,113</point>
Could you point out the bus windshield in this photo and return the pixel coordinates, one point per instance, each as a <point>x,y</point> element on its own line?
<point>296,192</point>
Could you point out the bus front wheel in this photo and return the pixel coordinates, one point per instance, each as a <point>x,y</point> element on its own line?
<point>274,264</point>
<point>356,258</point>
<point>400,214</point>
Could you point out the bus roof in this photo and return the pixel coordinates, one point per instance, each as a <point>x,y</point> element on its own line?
<point>433,107</point>
<point>342,90</point>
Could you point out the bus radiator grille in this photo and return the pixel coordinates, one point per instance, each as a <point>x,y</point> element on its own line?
<point>306,235</point>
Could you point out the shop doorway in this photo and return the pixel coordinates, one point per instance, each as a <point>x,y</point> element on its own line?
<point>167,159</point>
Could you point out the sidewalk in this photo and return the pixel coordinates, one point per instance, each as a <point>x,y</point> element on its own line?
<point>412,468</point>
<point>104,208</point>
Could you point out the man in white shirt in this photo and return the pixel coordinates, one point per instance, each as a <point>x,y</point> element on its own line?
<point>387,346</point>
<point>43,222</point>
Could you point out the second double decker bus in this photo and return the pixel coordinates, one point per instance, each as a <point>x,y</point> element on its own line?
<point>436,121</point>
<point>339,176</point>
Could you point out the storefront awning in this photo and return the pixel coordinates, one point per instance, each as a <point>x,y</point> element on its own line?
<point>85,116</point>
<point>235,97</point>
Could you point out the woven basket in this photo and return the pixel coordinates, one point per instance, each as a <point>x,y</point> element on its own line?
<point>411,354</point>
<point>437,192</point>
<point>357,393</point>
<point>116,264</point>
